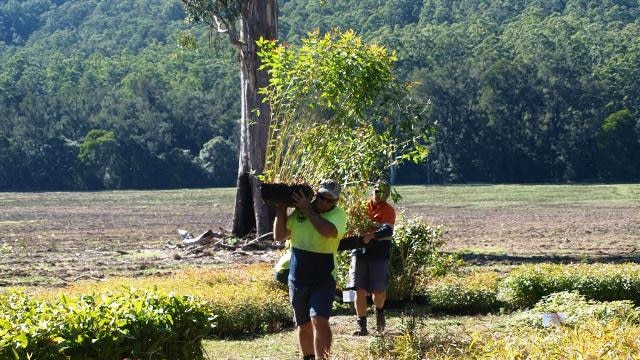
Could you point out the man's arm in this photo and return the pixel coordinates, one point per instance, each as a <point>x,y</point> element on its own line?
<point>322,225</point>
<point>359,241</point>
<point>280,231</point>
<point>351,242</point>
<point>384,233</point>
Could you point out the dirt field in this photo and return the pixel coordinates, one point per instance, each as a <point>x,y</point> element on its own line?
<point>49,239</point>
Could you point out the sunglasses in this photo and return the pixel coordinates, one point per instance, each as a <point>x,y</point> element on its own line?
<point>325,198</point>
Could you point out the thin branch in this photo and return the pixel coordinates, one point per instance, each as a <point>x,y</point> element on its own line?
<point>219,24</point>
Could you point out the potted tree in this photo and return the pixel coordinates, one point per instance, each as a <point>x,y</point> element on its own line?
<point>336,112</point>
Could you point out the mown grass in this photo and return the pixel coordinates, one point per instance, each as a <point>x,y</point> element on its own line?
<point>224,197</point>
<point>433,195</point>
<point>480,196</point>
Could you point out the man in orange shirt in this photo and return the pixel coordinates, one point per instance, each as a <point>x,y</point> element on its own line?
<point>369,270</point>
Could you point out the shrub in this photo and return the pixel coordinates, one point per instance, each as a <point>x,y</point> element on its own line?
<point>244,299</point>
<point>474,293</point>
<point>577,309</point>
<point>590,339</point>
<point>415,257</point>
<point>250,309</point>
<point>414,340</point>
<point>594,330</point>
<point>526,285</point>
<point>137,324</point>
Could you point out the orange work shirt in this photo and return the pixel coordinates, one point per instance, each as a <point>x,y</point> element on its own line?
<point>382,213</point>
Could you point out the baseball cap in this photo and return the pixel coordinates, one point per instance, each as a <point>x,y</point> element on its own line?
<point>383,187</point>
<point>330,187</point>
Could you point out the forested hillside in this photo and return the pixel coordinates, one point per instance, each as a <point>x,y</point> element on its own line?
<point>99,94</point>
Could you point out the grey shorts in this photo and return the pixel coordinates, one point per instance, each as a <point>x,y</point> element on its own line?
<point>311,300</point>
<point>371,275</point>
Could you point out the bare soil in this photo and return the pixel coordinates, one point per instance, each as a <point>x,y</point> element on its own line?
<point>538,232</point>
<point>50,239</point>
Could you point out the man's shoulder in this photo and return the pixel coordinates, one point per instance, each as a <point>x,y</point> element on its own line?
<point>384,207</point>
<point>387,213</point>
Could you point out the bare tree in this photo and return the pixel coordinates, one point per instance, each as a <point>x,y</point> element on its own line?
<point>245,21</point>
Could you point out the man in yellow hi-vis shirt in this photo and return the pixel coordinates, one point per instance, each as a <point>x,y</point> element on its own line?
<point>314,229</point>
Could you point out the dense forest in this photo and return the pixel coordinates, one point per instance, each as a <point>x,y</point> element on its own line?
<point>104,94</point>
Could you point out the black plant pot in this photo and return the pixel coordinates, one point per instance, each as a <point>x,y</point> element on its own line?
<point>282,193</point>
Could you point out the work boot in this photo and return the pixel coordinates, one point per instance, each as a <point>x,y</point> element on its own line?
<point>362,327</point>
<point>380,320</point>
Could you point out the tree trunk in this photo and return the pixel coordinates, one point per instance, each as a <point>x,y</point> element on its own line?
<point>259,19</point>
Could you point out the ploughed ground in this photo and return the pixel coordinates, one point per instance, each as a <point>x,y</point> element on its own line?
<point>50,239</point>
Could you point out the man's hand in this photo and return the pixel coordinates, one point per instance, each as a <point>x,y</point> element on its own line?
<point>302,202</point>
<point>367,237</point>
<point>281,209</point>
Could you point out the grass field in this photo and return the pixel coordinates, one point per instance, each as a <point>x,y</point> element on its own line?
<point>50,238</point>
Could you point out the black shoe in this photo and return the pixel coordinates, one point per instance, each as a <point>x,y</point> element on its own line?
<point>337,296</point>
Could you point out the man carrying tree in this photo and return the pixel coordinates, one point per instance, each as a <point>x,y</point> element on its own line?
<point>369,270</point>
<point>314,229</point>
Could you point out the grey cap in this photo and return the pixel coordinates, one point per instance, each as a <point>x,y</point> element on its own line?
<point>330,187</point>
<point>384,189</point>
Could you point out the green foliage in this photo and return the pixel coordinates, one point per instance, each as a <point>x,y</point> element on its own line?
<point>519,90</point>
<point>467,294</point>
<point>245,300</point>
<point>526,285</point>
<point>98,147</point>
<point>113,66</point>
<point>602,330</point>
<point>104,326</point>
<point>228,12</point>
<point>415,257</point>
<point>619,144</point>
<point>336,72</point>
<point>217,156</point>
